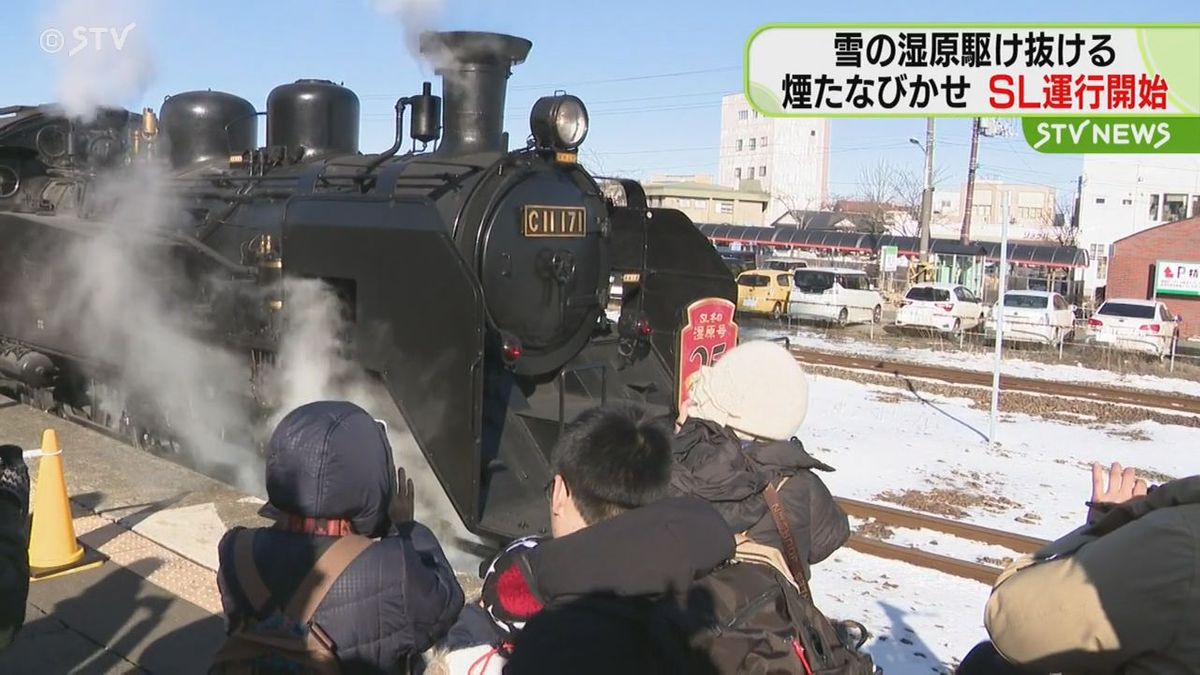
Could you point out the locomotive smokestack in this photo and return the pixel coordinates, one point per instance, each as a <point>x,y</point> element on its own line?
<point>474,68</point>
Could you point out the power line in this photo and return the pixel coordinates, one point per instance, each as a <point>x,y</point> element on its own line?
<point>612,80</point>
<point>630,78</point>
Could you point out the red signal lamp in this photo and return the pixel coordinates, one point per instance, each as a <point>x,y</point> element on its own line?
<point>511,349</point>
<point>643,327</point>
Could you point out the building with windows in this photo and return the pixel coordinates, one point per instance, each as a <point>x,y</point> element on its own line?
<point>1031,212</point>
<point>705,202</point>
<point>1122,195</point>
<point>1133,269</point>
<point>788,157</point>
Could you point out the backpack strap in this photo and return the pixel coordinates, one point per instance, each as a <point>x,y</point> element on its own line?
<point>324,573</point>
<point>246,571</point>
<point>790,551</point>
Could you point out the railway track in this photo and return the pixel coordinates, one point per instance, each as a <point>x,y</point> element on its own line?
<point>912,520</point>
<point>1169,401</point>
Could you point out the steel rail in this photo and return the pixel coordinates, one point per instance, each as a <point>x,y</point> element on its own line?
<point>915,520</point>
<point>915,556</point>
<point>910,519</point>
<point>1172,401</point>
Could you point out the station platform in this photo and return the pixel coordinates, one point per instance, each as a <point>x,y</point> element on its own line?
<point>153,606</point>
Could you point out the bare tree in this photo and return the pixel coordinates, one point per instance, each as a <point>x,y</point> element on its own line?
<point>907,191</point>
<point>877,186</point>
<point>1057,227</point>
<point>595,162</point>
<point>800,209</point>
<point>876,182</point>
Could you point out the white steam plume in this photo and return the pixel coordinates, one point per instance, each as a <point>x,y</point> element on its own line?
<point>415,17</point>
<point>313,367</point>
<point>102,51</point>
<point>120,287</point>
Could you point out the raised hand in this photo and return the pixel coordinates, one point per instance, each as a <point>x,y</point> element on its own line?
<point>1123,485</point>
<point>403,508</point>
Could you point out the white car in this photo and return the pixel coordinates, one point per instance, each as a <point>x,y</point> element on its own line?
<point>1034,316</point>
<point>833,294</point>
<point>1135,325</point>
<point>945,307</point>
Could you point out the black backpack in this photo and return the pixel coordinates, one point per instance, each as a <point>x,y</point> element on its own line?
<point>759,616</point>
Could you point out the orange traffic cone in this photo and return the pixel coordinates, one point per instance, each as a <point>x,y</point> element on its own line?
<point>53,547</point>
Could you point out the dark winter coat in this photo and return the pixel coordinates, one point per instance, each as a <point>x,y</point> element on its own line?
<point>616,592</point>
<point>400,595</point>
<point>14,542</point>
<point>714,464</point>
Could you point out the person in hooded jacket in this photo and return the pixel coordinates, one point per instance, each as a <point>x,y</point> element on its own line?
<point>14,542</point>
<point>608,593</point>
<point>735,437</point>
<point>329,473</point>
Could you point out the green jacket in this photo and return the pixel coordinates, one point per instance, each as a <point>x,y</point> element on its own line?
<point>1119,596</point>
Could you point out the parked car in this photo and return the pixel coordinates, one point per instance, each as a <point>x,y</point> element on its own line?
<point>784,264</point>
<point>834,294</point>
<point>764,292</point>
<point>1134,325</point>
<point>946,307</point>
<point>1034,316</point>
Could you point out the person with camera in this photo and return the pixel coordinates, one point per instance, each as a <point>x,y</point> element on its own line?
<point>1119,594</point>
<point>345,581</point>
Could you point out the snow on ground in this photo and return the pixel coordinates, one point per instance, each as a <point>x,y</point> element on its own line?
<point>978,361</point>
<point>919,621</point>
<point>1034,481</point>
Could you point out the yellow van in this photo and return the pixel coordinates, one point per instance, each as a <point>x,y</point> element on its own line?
<point>764,291</point>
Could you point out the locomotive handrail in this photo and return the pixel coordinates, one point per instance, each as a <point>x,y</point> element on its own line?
<point>562,391</point>
<point>212,253</point>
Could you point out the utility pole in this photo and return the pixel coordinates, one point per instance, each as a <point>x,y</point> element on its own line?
<point>927,193</point>
<point>1075,210</point>
<point>965,236</point>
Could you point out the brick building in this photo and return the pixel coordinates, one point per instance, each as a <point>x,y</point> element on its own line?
<point>1131,271</point>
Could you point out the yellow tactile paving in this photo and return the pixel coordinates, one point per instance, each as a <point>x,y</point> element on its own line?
<point>159,565</point>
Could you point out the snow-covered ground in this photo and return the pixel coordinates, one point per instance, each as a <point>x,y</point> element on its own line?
<point>1034,481</point>
<point>966,360</point>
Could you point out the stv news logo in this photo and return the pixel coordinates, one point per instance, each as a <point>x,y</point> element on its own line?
<point>53,40</point>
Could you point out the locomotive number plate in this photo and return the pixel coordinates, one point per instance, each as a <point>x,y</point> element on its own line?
<point>554,221</point>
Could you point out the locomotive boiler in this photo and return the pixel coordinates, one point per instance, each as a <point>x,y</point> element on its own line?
<point>473,278</point>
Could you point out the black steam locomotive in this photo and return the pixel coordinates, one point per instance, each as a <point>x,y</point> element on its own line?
<point>474,278</point>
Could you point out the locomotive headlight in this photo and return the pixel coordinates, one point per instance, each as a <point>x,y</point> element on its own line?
<point>559,122</point>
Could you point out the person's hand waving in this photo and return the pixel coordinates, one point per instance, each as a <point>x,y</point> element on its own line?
<point>403,508</point>
<point>1123,485</point>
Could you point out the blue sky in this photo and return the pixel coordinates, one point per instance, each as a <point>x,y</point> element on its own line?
<point>652,73</point>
